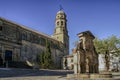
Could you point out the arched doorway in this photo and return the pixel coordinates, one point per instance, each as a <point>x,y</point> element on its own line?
<point>8,55</point>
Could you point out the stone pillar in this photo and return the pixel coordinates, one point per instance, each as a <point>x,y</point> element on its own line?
<point>87,65</point>
<point>78,62</point>
<point>75,60</point>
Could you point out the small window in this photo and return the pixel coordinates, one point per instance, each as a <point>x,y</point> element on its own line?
<point>61,22</point>
<point>0,28</point>
<point>57,23</point>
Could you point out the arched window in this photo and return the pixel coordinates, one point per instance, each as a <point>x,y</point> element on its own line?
<point>62,16</point>
<point>61,22</point>
<point>57,23</point>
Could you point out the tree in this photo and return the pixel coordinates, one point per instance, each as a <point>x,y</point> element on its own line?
<point>110,45</point>
<point>48,62</point>
<point>76,43</point>
<point>44,59</point>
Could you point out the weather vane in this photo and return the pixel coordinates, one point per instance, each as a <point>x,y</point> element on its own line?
<point>61,7</point>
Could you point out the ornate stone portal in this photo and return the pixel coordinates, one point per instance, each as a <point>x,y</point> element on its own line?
<point>87,57</point>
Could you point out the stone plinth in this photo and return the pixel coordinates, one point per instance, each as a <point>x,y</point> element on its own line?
<point>90,76</point>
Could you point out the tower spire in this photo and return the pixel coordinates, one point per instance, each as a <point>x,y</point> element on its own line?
<point>61,8</point>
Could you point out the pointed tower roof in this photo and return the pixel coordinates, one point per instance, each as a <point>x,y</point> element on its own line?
<point>61,10</point>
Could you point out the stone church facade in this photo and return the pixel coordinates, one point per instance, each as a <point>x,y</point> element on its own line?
<point>19,43</point>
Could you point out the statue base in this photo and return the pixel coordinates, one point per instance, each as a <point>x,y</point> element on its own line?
<point>92,76</point>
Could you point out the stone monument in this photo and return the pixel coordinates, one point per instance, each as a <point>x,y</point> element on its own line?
<point>87,55</point>
<point>85,59</point>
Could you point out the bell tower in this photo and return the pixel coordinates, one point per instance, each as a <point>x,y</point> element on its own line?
<point>61,32</point>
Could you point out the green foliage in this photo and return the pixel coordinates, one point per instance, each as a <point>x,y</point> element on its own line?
<point>44,59</point>
<point>110,45</point>
<point>40,59</point>
<point>48,63</point>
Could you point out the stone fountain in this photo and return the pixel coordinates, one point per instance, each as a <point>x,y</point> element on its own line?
<point>86,61</point>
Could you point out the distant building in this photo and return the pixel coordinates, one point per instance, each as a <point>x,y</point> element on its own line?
<point>68,62</point>
<point>115,63</point>
<point>21,44</point>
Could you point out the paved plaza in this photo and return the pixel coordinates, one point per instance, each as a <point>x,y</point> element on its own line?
<point>8,72</point>
<point>28,74</point>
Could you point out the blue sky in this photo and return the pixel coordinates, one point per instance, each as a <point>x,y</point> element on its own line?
<point>101,17</point>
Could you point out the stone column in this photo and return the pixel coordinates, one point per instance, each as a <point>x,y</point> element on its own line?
<point>87,65</point>
<point>75,61</point>
<point>78,61</point>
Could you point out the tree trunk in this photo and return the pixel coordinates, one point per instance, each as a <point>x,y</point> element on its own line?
<point>107,60</point>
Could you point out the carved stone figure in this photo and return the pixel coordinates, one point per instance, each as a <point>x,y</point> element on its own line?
<point>64,63</point>
<point>75,59</point>
<point>88,57</point>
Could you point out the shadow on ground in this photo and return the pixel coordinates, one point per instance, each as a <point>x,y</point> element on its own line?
<point>9,72</point>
